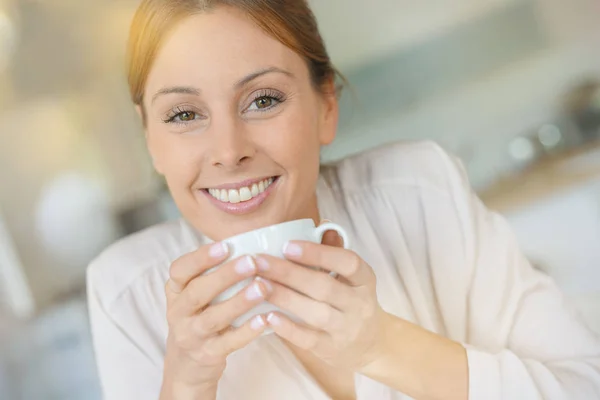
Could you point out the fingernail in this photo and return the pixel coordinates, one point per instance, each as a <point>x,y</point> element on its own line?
<point>292,250</point>
<point>245,266</point>
<point>273,319</point>
<point>218,250</point>
<point>257,323</point>
<point>254,292</point>
<point>265,282</point>
<point>263,265</point>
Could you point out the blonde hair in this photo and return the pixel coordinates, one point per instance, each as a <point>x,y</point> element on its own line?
<point>290,21</point>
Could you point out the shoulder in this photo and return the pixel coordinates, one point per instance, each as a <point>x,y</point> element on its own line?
<point>135,257</point>
<point>424,164</point>
<point>420,183</point>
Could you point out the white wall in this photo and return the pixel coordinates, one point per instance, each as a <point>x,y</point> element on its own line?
<point>358,31</point>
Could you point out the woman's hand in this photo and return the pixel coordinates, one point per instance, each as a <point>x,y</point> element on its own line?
<point>344,322</point>
<point>346,327</point>
<point>200,337</point>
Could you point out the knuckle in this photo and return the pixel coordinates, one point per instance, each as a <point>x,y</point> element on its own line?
<point>228,347</point>
<point>227,343</point>
<point>194,294</point>
<point>355,264</point>
<point>205,325</point>
<point>176,270</point>
<point>210,350</point>
<point>180,342</point>
<point>203,357</point>
<point>181,337</point>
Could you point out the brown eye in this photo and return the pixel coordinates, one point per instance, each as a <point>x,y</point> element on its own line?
<point>187,116</point>
<point>264,102</point>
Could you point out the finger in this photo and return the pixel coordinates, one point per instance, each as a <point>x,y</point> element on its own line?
<point>318,315</point>
<point>300,336</point>
<point>332,238</point>
<point>341,261</point>
<point>315,284</point>
<point>238,338</point>
<point>193,264</point>
<point>220,316</point>
<point>201,291</point>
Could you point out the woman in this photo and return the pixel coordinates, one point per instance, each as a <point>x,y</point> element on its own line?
<point>434,302</point>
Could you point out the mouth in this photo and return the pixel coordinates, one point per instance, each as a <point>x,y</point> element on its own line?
<point>241,192</point>
<point>242,197</point>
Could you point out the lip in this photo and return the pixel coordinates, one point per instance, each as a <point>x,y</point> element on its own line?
<point>245,207</point>
<point>241,184</point>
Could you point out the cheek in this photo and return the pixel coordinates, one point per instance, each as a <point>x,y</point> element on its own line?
<point>294,141</point>
<point>174,157</point>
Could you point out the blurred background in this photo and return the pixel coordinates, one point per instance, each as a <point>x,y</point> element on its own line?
<point>510,86</point>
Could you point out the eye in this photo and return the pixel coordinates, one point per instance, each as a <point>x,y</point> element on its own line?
<point>265,100</point>
<point>187,116</point>
<point>180,116</point>
<point>263,103</point>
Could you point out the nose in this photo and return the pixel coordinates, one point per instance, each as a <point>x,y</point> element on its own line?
<point>231,146</point>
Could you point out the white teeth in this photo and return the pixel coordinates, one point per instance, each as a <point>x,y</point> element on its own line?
<point>224,197</point>
<point>243,194</point>
<point>234,196</point>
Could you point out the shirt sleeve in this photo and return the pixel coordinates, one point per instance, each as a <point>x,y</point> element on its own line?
<point>126,372</point>
<point>546,351</point>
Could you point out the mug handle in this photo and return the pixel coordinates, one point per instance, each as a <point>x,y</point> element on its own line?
<point>330,226</point>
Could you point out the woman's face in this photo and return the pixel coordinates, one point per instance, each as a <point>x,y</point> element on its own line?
<point>235,125</point>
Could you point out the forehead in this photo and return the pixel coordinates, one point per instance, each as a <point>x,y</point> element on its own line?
<point>220,46</point>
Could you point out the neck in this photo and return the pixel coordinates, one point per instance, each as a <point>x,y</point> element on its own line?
<point>312,211</point>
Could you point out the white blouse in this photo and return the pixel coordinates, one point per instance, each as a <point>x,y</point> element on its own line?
<point>442,260</point>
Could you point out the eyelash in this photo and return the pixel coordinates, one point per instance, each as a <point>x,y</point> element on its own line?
<point>263,94</point>
<point>176,112</point>
<point>268,94</point>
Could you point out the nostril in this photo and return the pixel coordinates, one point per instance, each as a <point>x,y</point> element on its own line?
<point>243,159</point>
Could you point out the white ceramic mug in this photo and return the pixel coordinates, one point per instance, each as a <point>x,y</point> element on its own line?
<point>270,240</point>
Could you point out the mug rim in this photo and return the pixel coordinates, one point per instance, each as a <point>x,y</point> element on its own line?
<point>266,228</point>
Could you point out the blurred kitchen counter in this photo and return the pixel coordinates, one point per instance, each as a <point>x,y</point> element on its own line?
<point>549,176</point>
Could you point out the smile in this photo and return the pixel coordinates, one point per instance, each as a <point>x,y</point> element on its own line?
<point>242,197</point>
<point>242,194</point>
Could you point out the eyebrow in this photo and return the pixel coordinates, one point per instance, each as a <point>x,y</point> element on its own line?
<point>249,78</point>
<point>176,89</point>
<point>242,82</point>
